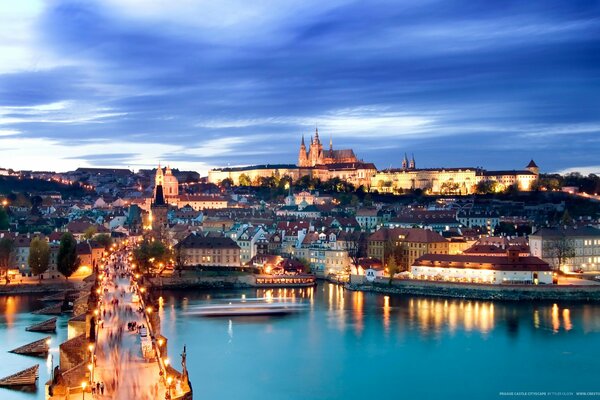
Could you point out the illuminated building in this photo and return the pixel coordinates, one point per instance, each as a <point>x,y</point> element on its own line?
<point>511,268</point>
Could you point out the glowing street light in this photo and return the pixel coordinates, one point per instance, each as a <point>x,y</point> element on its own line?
<point>83,386</point>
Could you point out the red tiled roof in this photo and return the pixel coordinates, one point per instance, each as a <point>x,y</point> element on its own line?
<point>415,235</point>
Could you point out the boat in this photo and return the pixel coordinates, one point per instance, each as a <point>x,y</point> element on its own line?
<point>26,377</point>
<point>243,309</point>
<point>45,326</point>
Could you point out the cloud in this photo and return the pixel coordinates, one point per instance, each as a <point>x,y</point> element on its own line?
<point>235,82</point>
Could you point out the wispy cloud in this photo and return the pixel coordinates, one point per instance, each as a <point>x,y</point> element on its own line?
<point>235,82</point>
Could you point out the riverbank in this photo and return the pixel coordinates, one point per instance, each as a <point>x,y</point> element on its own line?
<point>481,291</point>
<point>43,287</point>
<point>202,282</point>
<point>229,280</point>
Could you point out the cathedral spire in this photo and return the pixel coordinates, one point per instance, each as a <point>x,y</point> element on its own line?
<point>405,162</point>
<point>412,161</point>
<point>302,143</point>
<point>317,134</point>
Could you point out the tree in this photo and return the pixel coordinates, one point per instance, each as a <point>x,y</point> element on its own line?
<point>4,222</point>
<point>561,250</point>
<point>67,260</point>
<point>104,239</point>
<point>392,267</point>
<point>244,180</point>
<point>226,183</point>
<point>149,253</point>
<point>485,187</point>
<point>90,232</point>
<point>39,256</point>
<point>566,219</point>
<point>6,248</point>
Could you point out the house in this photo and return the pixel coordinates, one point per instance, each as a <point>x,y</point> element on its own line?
<point>198,250</point>
<point>436,220</point>
<point>508,269</point>
<point>487,219</point>
<point>410,244</point>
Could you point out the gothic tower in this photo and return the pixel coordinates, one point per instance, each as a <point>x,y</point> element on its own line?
<point>159,210</point>
<point>302,156</point>
<point>412,162</point>
<point>405,162</point>
<point>315,153</point>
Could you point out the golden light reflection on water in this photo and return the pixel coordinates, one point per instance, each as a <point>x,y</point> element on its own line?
<point>10,311</point>
<point>358,312</point>
<point>386,313</point>
<point>567,319</point>
<point>555,318</point>
<point>435,314</point>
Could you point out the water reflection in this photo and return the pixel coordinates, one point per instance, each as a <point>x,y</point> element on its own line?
<point>429,316</point>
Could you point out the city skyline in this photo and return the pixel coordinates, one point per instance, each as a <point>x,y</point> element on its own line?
<point>118,84</point>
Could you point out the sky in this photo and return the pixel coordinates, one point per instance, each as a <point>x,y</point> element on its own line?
<point>201,84</point>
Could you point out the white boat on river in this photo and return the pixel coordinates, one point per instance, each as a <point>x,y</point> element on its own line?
<point>246,308</point>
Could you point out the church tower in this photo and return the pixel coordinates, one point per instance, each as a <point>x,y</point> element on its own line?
<point>158,178</point>
<point>169,184</point>
<point>315,154</point>
<point>412,162</point>
<point>405,162</point>
<point>302,156</point>
<point>159,210</point>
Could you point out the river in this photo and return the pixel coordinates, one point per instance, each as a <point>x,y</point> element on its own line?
<point>354,345</point>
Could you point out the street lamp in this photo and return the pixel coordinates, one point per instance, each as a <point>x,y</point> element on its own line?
<point>83,386</point>
<point>169,381</point>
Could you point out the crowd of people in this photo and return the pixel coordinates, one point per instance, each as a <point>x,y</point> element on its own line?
<point>119,322</point>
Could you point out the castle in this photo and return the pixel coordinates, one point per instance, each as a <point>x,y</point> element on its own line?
<point>344,165</point>
<point>316,156</point>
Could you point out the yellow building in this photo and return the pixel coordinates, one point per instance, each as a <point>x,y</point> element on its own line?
<point>449,180</point>
<point>411,243</point>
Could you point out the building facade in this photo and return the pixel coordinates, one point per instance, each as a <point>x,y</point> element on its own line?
<point>458,181</point>
<point>569,249</point>
<point>509,269</point>
<point>198,250</point>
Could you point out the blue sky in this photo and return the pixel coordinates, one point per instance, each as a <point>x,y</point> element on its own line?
<point>199,84</point>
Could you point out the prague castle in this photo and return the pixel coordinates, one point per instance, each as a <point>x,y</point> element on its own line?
<point>316,156</point>
<point>326,164</point>
<point>314,162</point>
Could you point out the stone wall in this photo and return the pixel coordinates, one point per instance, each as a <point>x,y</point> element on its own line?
<point>482,292</point>
<point>203,282</point>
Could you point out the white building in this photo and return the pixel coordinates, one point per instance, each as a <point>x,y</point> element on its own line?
<point>511,269</point>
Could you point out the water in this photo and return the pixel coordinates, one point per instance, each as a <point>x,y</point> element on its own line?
<point>353,345</point>
<point>15,316</point>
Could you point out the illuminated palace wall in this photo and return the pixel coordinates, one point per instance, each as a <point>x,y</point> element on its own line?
<point>449,180</point>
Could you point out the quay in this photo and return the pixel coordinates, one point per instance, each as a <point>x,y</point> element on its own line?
<point>478,291</point>
<point>114,348</point>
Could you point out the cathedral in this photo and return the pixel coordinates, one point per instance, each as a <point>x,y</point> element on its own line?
<point>317,156</point>
<point>169,184</point>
